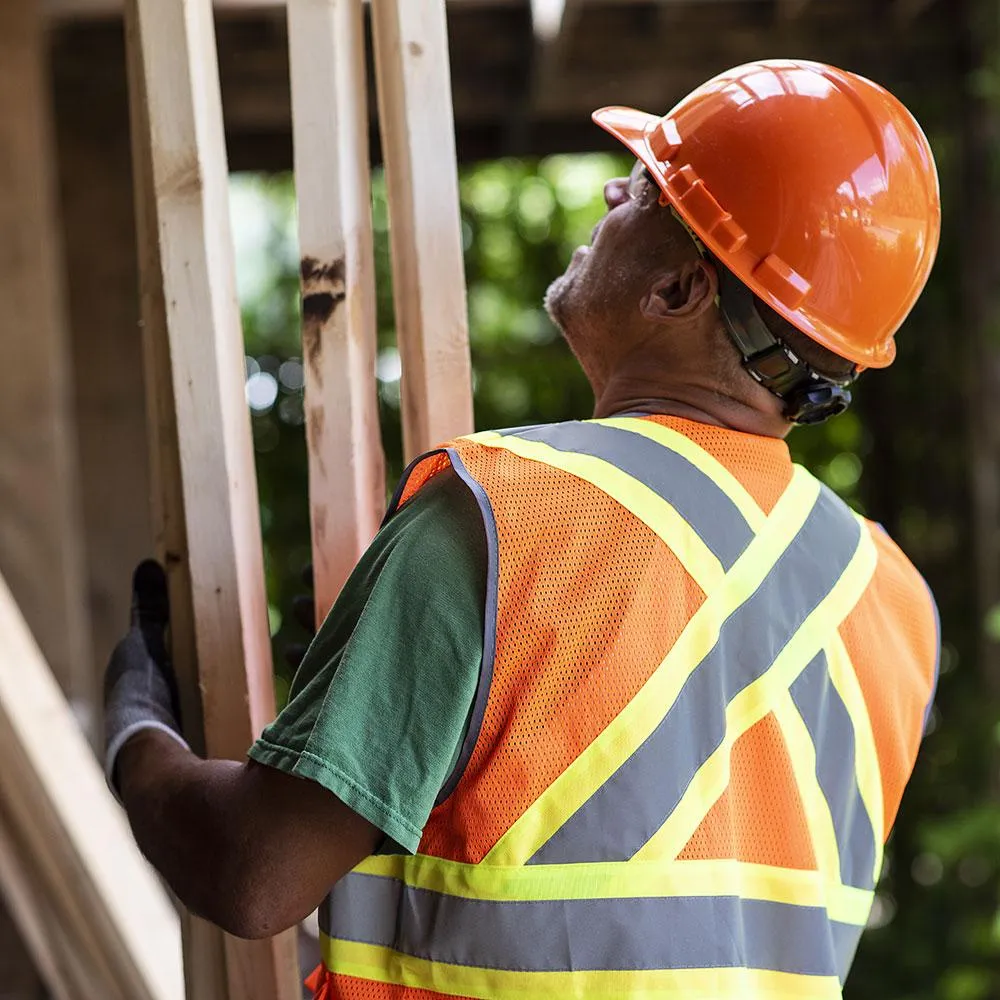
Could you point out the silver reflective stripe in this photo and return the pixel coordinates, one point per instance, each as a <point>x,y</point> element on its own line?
<point>832,732</point>
<point>846,938</point>
<point>687,489</point>
<point>686,932</point>
<point>478,710</point>
<point>618,819</point>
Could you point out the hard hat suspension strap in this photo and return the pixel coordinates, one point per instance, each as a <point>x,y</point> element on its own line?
<point>809,397</point>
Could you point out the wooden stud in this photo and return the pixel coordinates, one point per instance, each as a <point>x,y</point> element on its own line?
<point>41,550</point>
<point>418,144</point>
<point>546,18</point>
<point>102,274</point>
<point>74,840</point>
<point>330,130</point>
<point>205,494</point>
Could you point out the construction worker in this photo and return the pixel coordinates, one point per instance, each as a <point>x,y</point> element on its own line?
<point>624,706</point>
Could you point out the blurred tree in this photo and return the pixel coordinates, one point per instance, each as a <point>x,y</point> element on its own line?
<point>899,456</point>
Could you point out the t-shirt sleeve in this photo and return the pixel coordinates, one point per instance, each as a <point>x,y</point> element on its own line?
<point>379,707</point>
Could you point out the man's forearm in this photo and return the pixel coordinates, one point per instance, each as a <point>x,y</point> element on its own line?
<point>184,813</point>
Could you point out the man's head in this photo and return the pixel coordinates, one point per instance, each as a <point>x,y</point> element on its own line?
<point>788,222</point>
<point>641,286</point>
<point>641,303</point>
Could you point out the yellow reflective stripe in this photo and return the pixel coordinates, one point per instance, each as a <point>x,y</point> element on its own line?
<point>756,700</point>
<point>699,458</point>
<point>842,674</point>
<point>614,880</point>
<point>373,962</point>
<point>658,515</point>
<point>802,755</point>
<point>622,737</point>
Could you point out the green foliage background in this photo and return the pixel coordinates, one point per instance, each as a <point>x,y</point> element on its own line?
<point>898,456</point>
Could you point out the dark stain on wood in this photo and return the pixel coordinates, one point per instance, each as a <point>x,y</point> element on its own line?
<point>319,306</point>
<point>314,271</point>
<point>315,427</point>
<point>324,288</point>
<point>416,49</point>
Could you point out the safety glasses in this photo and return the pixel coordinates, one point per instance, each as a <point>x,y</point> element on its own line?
<point>638,180</point>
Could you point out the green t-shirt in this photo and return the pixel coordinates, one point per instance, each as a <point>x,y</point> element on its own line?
<point>379,707</point>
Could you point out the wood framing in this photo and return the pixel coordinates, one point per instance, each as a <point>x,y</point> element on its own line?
<point>330,131</point>
<point>205,490</point>
<point>41,550</point>
<point>418,145</point>
<point>91,907</point>
<point>546,18</point>
<point>102,278</point>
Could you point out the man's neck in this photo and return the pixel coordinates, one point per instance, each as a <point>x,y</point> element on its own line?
<point>703,404</point>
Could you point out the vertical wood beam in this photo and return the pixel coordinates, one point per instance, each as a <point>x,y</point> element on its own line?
<point>546,18</point>
<point>95,170</point>
<point>330,133</point>
<point>41,552</point>
<point>205,492</point>
<point>418,144</point>
<point>40,542</point>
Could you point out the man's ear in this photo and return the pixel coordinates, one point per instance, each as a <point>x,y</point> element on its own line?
<point>683,292</point>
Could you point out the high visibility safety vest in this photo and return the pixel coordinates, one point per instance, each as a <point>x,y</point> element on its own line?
<point>704,683</point>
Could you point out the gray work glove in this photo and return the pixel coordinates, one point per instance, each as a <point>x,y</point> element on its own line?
<point>140,691</point>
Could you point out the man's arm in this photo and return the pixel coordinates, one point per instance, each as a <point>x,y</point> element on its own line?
<point>249,848</point>
<point>243,845</point>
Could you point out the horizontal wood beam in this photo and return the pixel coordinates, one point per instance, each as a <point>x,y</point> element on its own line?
<point>82,9</point>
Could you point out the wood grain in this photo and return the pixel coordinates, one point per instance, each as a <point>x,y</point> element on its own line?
<point>418,142</point>
<point>330,129</point>
<point>78,859</point>
<point>205,492</point>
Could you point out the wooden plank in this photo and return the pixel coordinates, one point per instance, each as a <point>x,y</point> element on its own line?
<point>88,866</point>
<point>102,273</point>
<point>546,18</point>
<point>418,143</point>
<point>330,129</point>
<point>41,552</point>
<point>80,9</point>
<point>38,925</point>
<point>40,539</point>
<point>69,971</point>
<point>205,494</point>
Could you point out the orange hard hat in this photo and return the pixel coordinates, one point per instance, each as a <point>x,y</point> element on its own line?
<point>814,186</point>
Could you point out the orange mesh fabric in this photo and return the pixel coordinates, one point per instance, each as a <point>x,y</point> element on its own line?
<point>424,470</point>
<point>761,464</point>
<point>336,987</point>
<point>759,819</point>
<point>891,636</point>
<point>589,603</point>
